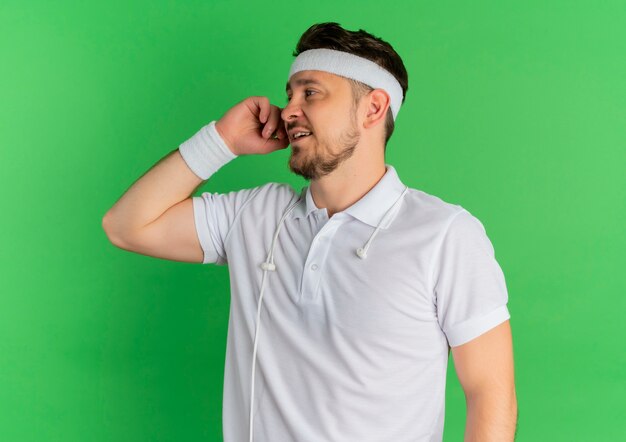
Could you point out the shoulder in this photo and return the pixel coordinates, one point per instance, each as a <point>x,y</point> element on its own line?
<point>270,197</point>
<point>258,198</point>
<point>274,193</point>
<point>429,210</point>
<point>442,220</point>
<point>263,193</point>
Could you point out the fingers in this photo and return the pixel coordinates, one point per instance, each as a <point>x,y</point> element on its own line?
<point>272,144</point>
<point>274,124</point>
<point>268,115</point>
<point>263,106</point>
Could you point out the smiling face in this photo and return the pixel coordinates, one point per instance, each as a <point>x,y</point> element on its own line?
<point>323,104</point>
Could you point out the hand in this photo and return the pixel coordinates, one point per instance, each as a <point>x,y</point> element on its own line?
<point>250,126</point>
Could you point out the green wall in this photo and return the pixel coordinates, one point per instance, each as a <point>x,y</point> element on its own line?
<point>515,110</point>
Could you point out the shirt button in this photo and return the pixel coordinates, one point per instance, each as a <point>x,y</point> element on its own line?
<point>314,267</point>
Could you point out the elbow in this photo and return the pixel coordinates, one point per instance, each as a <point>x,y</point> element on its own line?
<point>107,226</point>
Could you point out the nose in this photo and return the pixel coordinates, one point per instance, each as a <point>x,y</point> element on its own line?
<point>291,110</point>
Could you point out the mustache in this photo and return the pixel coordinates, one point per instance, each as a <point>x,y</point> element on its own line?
<point>291,126</point>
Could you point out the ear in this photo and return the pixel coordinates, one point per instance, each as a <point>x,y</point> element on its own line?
<point>377,103</point>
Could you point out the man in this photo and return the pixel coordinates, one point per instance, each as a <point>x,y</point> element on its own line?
<point>353,290</point>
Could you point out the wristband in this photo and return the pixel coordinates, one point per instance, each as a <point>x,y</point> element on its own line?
<point>206,151</point>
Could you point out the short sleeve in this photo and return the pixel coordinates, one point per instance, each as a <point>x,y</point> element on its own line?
<point>469,286</point>
<point>214,215</point>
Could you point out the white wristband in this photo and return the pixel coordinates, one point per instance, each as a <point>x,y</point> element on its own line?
<point>206,151</point>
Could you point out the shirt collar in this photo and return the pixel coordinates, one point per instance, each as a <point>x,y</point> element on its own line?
<point>370,209</point>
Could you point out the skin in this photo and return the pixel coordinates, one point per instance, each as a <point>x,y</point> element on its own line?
<point>344,156</point>
<point>485,370</point>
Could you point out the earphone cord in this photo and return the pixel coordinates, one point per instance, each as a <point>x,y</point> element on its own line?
<point>267,265</point>
<point>362,251</point>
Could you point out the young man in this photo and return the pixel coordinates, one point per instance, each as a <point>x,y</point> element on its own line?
<point>353,290</point>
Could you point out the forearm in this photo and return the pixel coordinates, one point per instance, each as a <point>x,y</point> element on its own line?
<point>171,180</point>
<point>167,183</point>
<point>491,417</point>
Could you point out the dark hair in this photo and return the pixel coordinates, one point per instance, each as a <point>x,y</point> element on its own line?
<point>331,35</point>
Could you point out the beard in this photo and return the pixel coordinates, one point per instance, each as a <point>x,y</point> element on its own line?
<point>318,160</point>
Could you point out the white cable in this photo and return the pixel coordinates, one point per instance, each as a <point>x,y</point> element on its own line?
<point>267,265</point>
<point>362,251</point>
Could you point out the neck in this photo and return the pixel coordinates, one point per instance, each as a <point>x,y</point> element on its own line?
<point>347,184</point>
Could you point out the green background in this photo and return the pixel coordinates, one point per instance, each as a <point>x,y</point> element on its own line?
<point>515,110</point>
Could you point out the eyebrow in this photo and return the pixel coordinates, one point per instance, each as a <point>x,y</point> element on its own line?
<point>302,81</point>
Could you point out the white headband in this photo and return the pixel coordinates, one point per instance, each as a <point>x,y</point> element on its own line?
<point>350,66</point>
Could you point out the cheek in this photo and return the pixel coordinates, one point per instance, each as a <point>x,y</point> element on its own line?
<point>328,120</point>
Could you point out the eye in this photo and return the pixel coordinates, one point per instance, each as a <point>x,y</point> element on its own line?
<point>305,93</point>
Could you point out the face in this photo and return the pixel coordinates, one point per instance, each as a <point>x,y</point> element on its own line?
<point>320,103</point>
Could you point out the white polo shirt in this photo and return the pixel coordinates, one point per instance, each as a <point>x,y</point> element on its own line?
<point>349,349</point>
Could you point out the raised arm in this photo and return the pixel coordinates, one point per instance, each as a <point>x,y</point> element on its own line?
<point>155,215</point>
